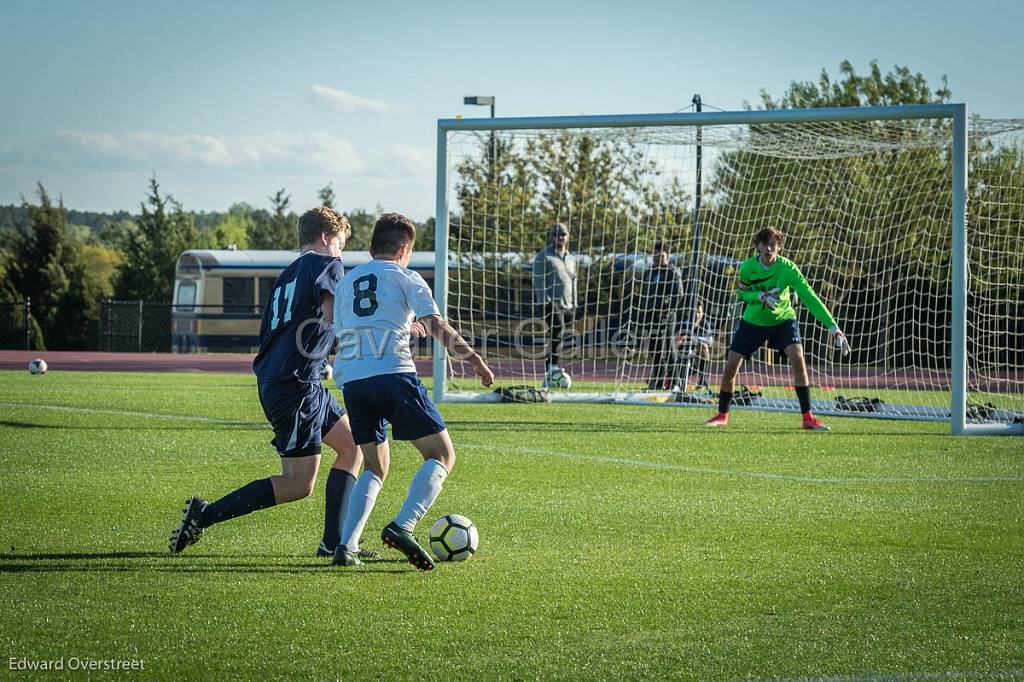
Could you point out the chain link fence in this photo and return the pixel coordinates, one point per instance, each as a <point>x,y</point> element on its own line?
<point>15,325</point>
<point>135,326</point>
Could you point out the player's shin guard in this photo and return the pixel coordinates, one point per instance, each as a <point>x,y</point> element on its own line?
<point>364,496</point>
<point>424,489</point>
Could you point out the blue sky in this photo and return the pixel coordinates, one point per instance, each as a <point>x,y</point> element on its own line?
<point>230,101</point>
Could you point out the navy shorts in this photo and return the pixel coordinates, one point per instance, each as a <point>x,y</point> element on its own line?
<point>749,337</point>
<point>399,399</point>
<point>301,414</point>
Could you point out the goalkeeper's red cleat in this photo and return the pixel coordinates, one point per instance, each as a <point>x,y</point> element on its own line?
<point>720,419</point>
<point>812,423</point>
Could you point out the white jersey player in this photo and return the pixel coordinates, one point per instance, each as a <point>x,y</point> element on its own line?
<point>376,306</point>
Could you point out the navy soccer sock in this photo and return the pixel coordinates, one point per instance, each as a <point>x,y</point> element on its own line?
<point>803,394</point>
<point>247,499</point>
<point>339,488</point>
<point>724,400</point>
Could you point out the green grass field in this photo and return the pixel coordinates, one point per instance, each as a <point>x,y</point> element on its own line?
<point>616,542</point>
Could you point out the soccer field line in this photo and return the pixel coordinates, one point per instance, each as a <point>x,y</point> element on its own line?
<point>911,677</point>
<point>130,413</point>
<point>739,473</point>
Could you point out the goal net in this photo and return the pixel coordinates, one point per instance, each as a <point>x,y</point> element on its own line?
<point>660,211</point>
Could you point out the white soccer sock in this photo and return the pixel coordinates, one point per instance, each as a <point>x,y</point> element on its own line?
<point>360,504</point>
<point>424,489</point>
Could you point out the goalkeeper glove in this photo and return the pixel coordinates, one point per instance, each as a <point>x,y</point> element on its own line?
<point>769,298</point>
<point>840,339</point>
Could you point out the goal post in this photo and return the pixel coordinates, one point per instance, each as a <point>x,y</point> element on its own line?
<point>623,183</point>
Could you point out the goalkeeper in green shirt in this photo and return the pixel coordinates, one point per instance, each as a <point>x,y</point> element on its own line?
<point>765,283</point>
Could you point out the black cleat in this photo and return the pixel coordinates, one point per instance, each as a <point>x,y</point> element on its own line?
<point>405,542</point>
<point>343,557</point>
<point>188,531</point>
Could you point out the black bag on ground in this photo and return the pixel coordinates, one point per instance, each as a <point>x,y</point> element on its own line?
<point>744,395</point>
<point>861,404</point>
<point>976,412</point>
<point>523,394</point>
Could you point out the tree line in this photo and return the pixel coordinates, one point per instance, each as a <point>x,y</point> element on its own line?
<point>67,261</point>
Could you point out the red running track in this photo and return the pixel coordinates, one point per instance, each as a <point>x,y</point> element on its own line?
<point>129,362</point>
<point>241,363</point>
<point>236,363</point>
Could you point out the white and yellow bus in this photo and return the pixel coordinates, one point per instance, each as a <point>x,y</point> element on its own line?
<point>219,295</point>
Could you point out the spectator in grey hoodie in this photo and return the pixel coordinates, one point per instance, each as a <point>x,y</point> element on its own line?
<point>555,290</point>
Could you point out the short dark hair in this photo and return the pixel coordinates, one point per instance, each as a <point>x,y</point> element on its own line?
<point>391,232</point>
<point>322,220</point>
<point>767,234</point>
<point>660,247</point>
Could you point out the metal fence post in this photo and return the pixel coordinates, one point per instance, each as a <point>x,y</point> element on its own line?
<point>28,325</point>
<point>140,325</point>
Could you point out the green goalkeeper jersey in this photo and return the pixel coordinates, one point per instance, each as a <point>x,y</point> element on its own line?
<point>785,276</point>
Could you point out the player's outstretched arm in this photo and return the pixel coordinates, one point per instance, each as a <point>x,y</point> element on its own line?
<point>446,335</point>
<point>809,299</point>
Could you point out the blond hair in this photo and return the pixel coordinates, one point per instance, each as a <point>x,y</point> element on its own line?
<point>322,221</point>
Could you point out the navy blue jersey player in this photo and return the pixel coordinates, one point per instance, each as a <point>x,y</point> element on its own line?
<point>295,339</point>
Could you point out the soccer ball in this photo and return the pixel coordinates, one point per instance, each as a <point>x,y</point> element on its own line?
<point>37,366</point>
<point>327,373</point>
<point>559,378</point>
<point>453,538</point>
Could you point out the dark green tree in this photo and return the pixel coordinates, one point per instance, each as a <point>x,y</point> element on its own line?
<point>362,222</point>
<point>277,229</point>
<point>326,195</point>
<point>118,234</point>
<point>165,231</point>
<point>604,188</point>
<point>38,263</point>
<point>425,233</point>
<point>899,86</point>
<point>51,263</point>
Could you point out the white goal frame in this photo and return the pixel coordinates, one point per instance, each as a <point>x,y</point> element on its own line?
<point>956,113</point>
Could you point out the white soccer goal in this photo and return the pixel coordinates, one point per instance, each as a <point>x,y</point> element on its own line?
<point>908,222</point>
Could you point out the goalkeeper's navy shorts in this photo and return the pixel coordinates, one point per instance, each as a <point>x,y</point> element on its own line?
<point>301,413</point>
<point>749,337</point>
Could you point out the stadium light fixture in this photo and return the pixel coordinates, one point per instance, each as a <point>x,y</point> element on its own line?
<point>480,100</point>
<point>486,100</point>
